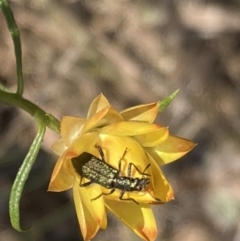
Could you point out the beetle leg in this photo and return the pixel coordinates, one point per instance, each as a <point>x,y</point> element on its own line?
<point>149,164</point>
<point>142,173</point>
<point>120,161</point>
<point>126,199</point>
<point>112,191</point>
<point>85,184</point>
<point>101,153</point>
<point>157,199</point>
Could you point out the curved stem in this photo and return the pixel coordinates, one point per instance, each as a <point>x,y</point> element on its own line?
<point>13,29</point>
<point>37,113</point>
<point>22,176</point>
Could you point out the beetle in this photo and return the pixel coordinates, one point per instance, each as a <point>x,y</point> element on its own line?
<point>100,172</point>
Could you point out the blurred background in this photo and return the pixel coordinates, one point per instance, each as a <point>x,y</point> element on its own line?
<point>134,52</point>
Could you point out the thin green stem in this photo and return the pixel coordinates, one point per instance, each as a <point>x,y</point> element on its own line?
<point>37,113</point>
<point>22,176</point>
<point>13,29</point>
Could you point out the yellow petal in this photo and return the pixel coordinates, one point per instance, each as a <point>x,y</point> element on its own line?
<point>161,188</point>
<point>63,171</point>
<point>87,223</point>
<point>71,128</point>
<point>145,113</point>
<point>153,138</point>
<point>170,150</point>
<point>59,147</point>
<point>61,179</point>
<point>85,143</point>
<point>95,207</point>
<point>104,117</point>
<point>138,218</point>
<point>99,103</point>
<point>129,128</point>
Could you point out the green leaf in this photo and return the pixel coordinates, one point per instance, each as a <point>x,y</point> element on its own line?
<point>21,178</point>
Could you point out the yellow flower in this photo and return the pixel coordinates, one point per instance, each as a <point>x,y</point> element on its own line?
<point>132,136</point>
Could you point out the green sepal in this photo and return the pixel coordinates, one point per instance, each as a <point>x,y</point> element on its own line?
<point>167,101</point>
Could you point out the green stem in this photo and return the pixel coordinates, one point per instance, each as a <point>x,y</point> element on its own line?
<point>22,176</point>
<point>37,113</point>
<point>13,29</point>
